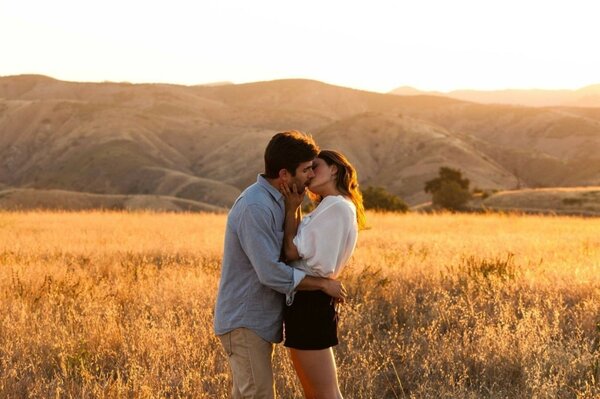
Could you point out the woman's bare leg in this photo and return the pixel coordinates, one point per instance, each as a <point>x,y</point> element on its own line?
<point>317,373</point>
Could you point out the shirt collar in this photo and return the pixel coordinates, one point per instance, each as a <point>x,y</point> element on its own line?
<point>263,182</point>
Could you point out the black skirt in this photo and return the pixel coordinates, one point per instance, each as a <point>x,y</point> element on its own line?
<point>310,323</point>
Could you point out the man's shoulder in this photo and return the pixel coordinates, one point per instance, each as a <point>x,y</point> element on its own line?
<point>256,196</point>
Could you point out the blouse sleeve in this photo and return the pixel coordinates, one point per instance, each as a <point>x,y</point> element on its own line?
<point>322,241</point>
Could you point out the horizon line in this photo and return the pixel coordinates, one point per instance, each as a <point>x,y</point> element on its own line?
<point>230,82</point>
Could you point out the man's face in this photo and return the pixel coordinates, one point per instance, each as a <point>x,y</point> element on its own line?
<point>304,173</point>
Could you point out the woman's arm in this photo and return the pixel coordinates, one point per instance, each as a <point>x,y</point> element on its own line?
<point>292,220</point>
<point>293,216</point>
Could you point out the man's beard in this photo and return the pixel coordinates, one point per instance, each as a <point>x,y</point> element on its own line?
<point>300,189</point>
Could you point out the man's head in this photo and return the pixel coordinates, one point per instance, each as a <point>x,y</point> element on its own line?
<point>289,157</point>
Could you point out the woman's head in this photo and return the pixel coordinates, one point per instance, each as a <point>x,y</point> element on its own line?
<point>333,171</point>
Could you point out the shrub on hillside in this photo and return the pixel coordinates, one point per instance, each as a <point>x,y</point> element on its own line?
<point>378,198</point>
<point>449,190</point>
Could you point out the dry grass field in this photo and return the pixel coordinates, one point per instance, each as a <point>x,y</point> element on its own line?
<point>119,305</point>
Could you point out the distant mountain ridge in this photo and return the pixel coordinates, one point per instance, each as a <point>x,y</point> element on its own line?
<point>205,143</point>
<point>588,96</point>
<point>27,198</point>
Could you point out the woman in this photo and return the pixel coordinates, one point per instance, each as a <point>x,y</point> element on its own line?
<point>320,244</point>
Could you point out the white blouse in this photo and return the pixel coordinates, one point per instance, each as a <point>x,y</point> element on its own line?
<point>326,237</point>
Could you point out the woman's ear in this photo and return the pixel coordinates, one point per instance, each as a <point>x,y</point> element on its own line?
<point>334,170</point>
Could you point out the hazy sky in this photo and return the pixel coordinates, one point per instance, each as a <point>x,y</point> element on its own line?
<point>372,45</point>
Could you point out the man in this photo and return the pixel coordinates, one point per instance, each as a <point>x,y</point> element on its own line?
<point>254,281</point>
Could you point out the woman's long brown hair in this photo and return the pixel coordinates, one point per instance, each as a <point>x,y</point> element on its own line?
<point>346,183</point>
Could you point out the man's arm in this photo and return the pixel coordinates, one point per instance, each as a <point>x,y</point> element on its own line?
<point>260,244</point>
<point>333,288</point>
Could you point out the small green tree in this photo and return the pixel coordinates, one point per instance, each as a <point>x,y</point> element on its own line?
<point>449,190</point>
<point>378,198</point>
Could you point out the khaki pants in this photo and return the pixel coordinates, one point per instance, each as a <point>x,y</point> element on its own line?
<point>250,361</point>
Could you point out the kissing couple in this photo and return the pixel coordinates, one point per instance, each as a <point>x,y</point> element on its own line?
<point>280,268</point>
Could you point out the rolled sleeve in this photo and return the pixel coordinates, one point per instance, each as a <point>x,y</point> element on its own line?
<point>298,276</point>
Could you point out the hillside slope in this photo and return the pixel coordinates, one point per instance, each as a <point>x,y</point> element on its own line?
<point>205,143</point>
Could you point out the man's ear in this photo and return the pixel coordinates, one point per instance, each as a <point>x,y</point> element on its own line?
<point>284,175</point>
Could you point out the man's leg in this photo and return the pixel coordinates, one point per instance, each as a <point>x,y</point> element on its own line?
<point>250,362</point>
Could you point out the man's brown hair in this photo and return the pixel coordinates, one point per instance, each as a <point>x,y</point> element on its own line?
<point>287,150</point>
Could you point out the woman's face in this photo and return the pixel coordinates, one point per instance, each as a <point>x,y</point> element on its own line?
<point>323,176</point>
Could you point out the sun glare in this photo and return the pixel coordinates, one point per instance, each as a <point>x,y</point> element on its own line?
<point>431,45</point>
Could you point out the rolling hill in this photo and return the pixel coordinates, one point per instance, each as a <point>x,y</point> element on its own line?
<point>562,201</point>
<point>205,143</point>
<point>26,198</point>
<point>588,96</point>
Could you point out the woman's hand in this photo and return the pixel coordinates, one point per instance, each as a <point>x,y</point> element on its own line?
<point>293,199</point>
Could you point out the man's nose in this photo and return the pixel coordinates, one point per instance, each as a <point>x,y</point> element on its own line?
<point>311,174</point>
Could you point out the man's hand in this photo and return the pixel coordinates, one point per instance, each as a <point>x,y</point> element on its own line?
<point>335,289</point>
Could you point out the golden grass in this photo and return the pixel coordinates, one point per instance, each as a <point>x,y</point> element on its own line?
<point>110,304</point>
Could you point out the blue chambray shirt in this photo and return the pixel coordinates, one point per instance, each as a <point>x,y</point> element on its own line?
<point>254,282</point>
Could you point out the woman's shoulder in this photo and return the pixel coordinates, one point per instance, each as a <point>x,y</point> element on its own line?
<point>334,203</point>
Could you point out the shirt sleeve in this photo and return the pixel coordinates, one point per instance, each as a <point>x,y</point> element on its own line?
<point>262,244</point>
<point>322,242</point>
